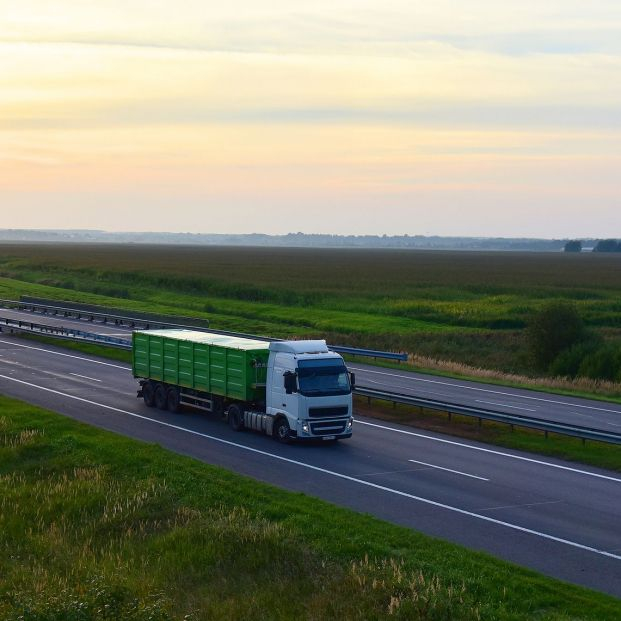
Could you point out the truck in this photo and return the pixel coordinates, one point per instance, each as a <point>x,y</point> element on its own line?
<point>290,390</point>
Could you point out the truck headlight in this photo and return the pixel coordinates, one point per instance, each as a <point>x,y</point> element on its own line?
<point>350,422</point>
<point>305,428</point>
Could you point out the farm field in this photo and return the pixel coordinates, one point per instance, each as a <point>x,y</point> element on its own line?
<point>98,526</point>
<point>466,307</point>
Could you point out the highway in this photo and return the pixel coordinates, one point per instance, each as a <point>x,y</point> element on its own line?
<point>557,517</point>
<point>571,410</point>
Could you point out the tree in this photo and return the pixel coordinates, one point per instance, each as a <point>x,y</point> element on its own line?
<point>554,328</point>
<point>607,245</point>
<point>575,245</point>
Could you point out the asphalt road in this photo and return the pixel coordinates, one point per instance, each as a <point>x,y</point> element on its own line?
<point>556,517</point>
<point>570,410</point>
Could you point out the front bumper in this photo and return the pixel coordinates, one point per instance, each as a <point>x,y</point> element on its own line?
<point>313,429</point>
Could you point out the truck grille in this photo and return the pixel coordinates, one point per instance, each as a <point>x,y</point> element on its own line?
<point>328,412</point>
<point>328,428</point>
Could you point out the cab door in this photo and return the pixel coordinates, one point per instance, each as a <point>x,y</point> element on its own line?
<point>276,401</point>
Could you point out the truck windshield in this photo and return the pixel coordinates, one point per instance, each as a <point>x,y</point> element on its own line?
<point>328,376</point>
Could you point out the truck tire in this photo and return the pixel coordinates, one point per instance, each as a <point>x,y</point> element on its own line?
<point>172,400</point>
<point>281,431</point>
<point>148,394</point>
<point>161,398</point>
<point>236,418</point>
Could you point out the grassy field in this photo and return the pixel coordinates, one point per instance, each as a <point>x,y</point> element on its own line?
<point>96,526</point>
<point>468,307</point>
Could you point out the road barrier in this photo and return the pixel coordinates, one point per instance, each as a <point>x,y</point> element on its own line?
<point>585,433</point>
<point>141,321</point>
<point>72,334</point>
<point>129,320</point>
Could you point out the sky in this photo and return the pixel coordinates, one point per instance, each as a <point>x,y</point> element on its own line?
<point>479,118</point>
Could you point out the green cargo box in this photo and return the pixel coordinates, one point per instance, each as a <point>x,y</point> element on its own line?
<point>232,367</point>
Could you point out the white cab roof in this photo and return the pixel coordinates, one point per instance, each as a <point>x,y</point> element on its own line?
<point>300,347</point>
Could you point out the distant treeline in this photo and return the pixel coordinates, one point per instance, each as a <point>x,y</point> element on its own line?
<point>603,245</point>
<point>303,240</point>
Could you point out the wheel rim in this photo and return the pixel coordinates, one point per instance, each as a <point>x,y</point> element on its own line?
<point>283,431</point>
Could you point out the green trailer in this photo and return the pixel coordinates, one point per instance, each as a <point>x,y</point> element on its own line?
<point>231,367</point>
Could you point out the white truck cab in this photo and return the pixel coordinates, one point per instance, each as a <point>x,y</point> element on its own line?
<point>308,391</point>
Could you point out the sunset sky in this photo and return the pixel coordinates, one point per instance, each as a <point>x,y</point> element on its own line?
<point>451,118</point>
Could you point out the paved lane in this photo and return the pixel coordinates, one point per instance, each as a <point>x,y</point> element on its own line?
<point>573,410</point>
<point>557,517</point>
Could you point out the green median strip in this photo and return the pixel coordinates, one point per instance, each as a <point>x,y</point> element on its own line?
<point>98,526</point>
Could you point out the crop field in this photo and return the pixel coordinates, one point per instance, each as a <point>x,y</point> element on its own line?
<point>468,307</point>
<point>97,526</point>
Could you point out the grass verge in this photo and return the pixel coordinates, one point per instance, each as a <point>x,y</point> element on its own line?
<point>102,351</point>
<point>98,526</point>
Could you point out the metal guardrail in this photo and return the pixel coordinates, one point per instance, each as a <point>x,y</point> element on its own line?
<point>16,325</point>
<point>92,316</point>
<point>43,304</point>
<point>371,353</point>
<point>584,433</point>
<point>145,324</point>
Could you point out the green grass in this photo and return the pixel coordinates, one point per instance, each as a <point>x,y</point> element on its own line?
<point>97,526</point>
<point>102,351</point>
<point>470,307</point>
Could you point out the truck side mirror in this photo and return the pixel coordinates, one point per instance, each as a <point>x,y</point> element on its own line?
<point>290,383</point>
<point>352,380</point>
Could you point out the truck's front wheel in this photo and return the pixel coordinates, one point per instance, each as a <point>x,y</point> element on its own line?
<point>281,430</point>
<point>236,418</point>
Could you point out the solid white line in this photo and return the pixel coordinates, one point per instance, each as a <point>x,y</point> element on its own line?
<point>465,474</point>
<point>505,405</point>
<point>496,392</point>
<point>339,475</point>
<point>86,377</point>
<point>57,353</point>
<point>485,450</point>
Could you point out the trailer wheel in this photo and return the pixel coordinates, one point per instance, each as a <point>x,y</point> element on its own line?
<point>148,394</point>
<point>236,418</point>
<point>281,431</point>
<point>161,397</point>
<point>172,400</point>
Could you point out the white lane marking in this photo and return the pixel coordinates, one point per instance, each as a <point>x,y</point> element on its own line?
<point>614,424</point>
<point>338,475</point>
<point>465,474</point>
<point>530,504</point>
<point>86,377</point>
<point>57,353</point>
<point>486,450</point>
<point>505,405</point>
<point>496,392</point>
